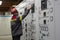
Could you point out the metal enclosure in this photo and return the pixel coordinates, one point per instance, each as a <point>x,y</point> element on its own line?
<point>39,24</point>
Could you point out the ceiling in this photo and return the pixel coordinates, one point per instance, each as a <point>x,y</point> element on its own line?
<point>7,4</point>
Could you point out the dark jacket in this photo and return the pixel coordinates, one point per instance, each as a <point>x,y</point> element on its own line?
<point>16,24</point>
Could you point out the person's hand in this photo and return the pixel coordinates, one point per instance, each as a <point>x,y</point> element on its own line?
<point>29,7</point>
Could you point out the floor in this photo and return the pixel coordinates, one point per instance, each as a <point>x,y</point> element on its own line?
<point>5,38</point>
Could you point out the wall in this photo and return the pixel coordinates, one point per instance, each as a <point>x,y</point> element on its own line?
<point>5,31</point>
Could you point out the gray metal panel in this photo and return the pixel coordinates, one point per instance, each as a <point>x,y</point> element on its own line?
<point>57,18</point>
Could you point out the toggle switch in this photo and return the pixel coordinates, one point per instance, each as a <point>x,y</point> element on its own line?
<point>44,14</point>
<point>44,21</point>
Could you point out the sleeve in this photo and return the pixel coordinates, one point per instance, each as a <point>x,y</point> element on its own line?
<point>26,13</point>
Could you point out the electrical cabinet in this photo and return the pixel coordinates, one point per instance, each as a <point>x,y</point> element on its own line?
<point>39,23</point>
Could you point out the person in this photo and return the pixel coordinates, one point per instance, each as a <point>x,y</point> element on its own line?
<point>16,23</point>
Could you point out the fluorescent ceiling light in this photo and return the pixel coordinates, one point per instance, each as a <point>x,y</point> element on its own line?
<point>0,2</point>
